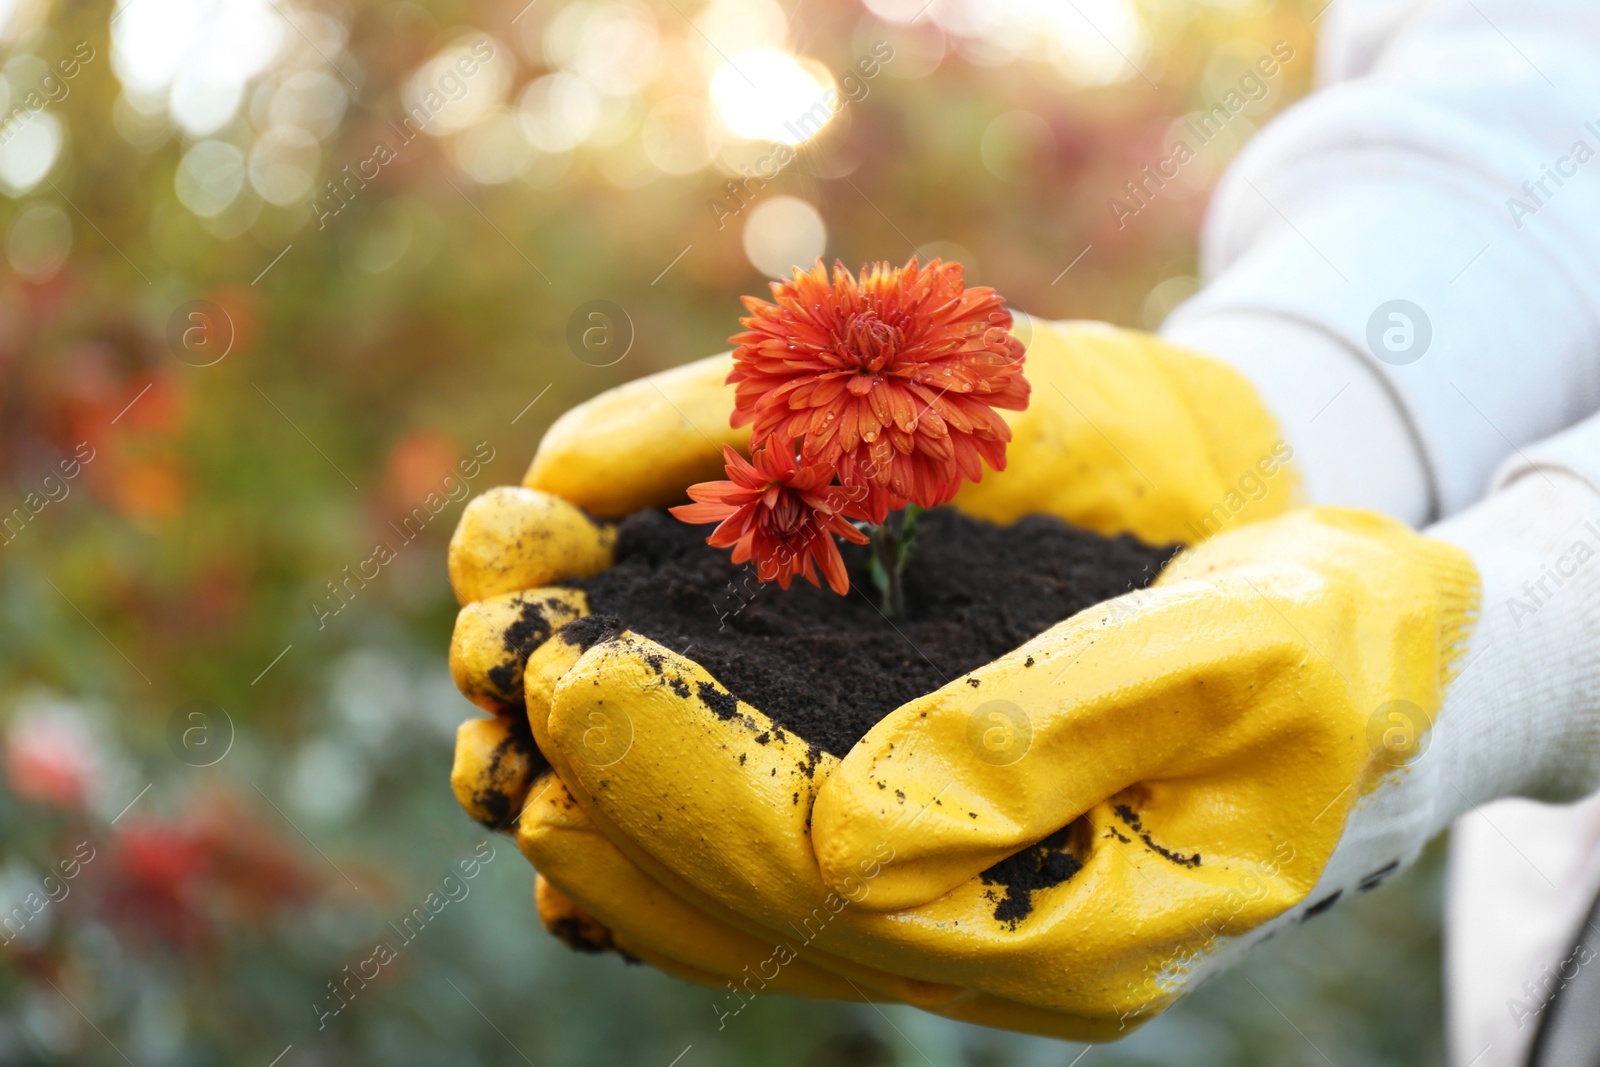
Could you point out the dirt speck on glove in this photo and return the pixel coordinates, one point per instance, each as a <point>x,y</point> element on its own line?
<point>828,667</point>
<point>1047,863</point>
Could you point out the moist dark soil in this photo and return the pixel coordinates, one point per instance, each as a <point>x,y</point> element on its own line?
<point>828,667</point>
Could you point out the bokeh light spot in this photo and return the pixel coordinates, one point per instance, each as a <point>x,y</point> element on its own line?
<point>210,177</point>
<point>782,233</point>
<point>39,241</point>
<point>29,151</point>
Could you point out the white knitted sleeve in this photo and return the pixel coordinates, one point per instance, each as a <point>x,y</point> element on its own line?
<point>1522,718</point>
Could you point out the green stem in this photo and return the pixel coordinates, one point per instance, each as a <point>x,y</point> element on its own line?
<point>891,549</point>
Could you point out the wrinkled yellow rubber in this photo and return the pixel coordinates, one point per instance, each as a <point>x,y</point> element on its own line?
<point>565,918</point>
<point>1227,709</point>
<point>1002,1014</point>
<point>488,647</point>
<point>731,834</point>
<point>492,774</point>
<point>645,920</point>
<point>642,444</point>
<point>556,835</point>
<point>1283,638</point>
<point>649,922</point>
<point>669,965</point>
<point>544,670</point>
<point>1125,433</point>
<point>511,538</point>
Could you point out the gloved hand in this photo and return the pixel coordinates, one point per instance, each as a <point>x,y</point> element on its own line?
<point>1124,433</point>
<point>1175,775</point>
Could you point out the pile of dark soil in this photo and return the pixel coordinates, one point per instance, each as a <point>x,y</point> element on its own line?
<point>828,667</point>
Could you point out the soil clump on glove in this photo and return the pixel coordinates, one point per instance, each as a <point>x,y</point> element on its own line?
<point>827,667</point>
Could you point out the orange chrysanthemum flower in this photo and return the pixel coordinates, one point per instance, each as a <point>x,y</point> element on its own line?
<point>893,381</point>
<point>780,514</point>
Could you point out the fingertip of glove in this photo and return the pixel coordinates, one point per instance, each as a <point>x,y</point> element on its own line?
<point>495,764</point>
<point>512,538</point>
<point>569,923</point>
<point>494,638</point>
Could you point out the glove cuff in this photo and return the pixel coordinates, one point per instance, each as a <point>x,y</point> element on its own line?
<point>1459,589</point>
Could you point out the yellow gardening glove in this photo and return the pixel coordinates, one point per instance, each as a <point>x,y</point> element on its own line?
<point>1180,765</point>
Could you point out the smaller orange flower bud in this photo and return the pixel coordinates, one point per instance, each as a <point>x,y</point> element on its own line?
<point>779,514</point>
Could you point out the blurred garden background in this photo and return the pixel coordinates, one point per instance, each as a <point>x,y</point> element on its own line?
<point>274,268</point>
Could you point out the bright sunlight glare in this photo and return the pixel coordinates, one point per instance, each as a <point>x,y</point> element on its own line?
<point>767,95</point>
